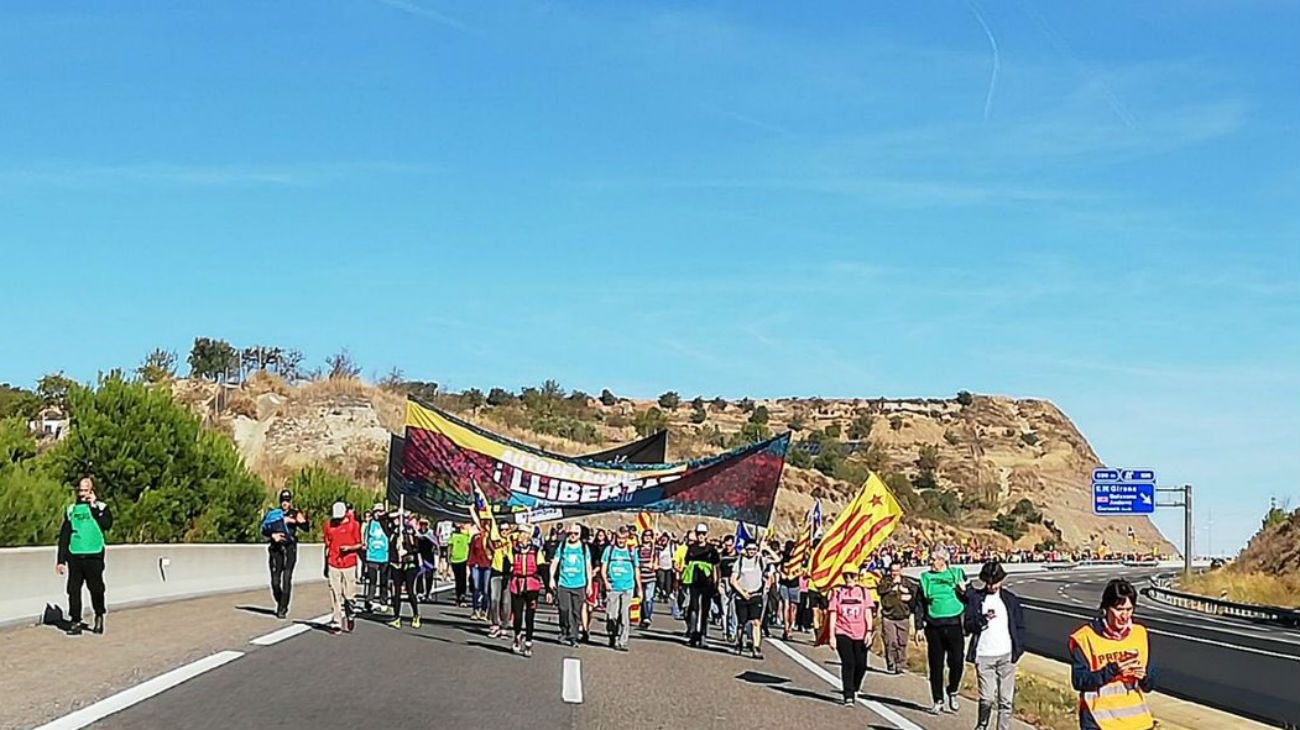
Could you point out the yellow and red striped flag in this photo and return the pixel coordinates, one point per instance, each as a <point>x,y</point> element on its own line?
<point>858,530</point>
<point>798,563</point>
<point>644,521</point>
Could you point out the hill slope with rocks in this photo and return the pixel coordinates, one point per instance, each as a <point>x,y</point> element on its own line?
<point>959,465</point>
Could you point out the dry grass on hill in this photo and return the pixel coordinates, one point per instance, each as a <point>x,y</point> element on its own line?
<point>1231,584</point>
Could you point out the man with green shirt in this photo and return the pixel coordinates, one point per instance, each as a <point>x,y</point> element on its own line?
<point>458,556</point>
<point>81,554</point>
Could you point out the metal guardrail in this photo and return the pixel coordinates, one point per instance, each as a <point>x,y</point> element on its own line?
<point>1159,590</point>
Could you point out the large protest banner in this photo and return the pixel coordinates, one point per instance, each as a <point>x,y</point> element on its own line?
<point>442,457</point>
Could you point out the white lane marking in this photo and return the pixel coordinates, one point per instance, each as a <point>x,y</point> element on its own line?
<point>900,722</point>
<point>1197,639</point>
<point>289,632</point>
<point>572,690</point>
<point>143,691</point>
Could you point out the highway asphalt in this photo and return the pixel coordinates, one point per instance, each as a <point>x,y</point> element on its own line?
<point>450,674</point>
<point>1250,669</point>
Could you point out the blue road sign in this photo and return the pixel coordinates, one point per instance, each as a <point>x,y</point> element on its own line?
<point>1123,491</point>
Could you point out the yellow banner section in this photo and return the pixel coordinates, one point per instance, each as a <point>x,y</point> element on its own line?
<point>523,459</point>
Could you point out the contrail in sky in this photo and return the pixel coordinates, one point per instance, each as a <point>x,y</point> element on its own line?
<point>997,60</point>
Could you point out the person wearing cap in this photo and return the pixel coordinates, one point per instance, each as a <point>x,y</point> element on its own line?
<point>996,624</point>
<point>376,556</point>
<point>426,578</point>
<point>571,574</point>
<point>280,526</point>
<point>748,584</point>
<point>342,535</point>
<point>700,576</point>
<point>849,615</point>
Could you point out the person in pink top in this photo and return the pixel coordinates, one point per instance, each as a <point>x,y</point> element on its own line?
<point>850,611</point>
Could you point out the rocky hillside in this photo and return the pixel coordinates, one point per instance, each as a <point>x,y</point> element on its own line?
<point>1275,549</point>
<point>986,453</point>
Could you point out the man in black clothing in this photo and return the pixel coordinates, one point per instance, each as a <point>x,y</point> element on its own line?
<point>281,526</point>
<point>81,554</point>
<point>701,578</point>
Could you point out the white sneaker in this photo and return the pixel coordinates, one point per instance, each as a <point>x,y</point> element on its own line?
<point>936,708</point>
<point>953,706</point>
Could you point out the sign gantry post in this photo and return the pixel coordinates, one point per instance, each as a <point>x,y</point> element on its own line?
<point>1134,492</point>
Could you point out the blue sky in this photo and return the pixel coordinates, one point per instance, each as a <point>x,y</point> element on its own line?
<point>1097,204</point>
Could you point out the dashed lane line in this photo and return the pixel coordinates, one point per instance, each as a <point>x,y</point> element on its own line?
<point>571,692</point>
<point>900,722</point>
<point>288,632</point>
<point>143,691</point>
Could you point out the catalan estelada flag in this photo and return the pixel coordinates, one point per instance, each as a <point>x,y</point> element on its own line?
<point>798,563</point>
<point>644,521</point>
<point>858,530</point>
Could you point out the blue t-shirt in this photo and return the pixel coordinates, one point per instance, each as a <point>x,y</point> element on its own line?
<point>574,562</point>
<point>621,563</point>
<point>376,543</point>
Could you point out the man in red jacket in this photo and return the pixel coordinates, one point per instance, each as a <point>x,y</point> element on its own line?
<point>342,544</point>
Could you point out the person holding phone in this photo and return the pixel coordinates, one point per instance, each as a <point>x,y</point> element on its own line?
<point>81,554</point>
<point>996,624</point>
<point>939,611</point>
<point>1110,665</point>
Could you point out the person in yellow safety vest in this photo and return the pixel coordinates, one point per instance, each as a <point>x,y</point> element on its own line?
<point>1111,665</point>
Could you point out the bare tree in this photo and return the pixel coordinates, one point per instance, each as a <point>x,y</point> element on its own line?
<point>342,366</point>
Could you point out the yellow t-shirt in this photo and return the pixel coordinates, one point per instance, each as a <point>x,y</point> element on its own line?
<point>501,554</point>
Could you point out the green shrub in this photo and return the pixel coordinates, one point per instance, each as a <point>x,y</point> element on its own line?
<point>760,415</point>
<point>1009,526</point>
<point>31,505</point>
<point>566,427</point>
<point>166,478</point>
<point>799,457</point>
<point>670,400</point>
<point>16,441</point>
<point>860,428</point>
<point>651,420</point>
<point>17,402</point>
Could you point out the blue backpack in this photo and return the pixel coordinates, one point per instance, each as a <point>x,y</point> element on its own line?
<point>274,522</point>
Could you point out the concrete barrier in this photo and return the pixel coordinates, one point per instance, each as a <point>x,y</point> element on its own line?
<point>139,574</point>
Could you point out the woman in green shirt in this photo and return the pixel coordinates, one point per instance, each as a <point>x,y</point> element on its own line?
<point>939,612</point>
